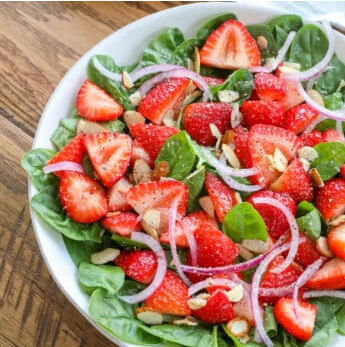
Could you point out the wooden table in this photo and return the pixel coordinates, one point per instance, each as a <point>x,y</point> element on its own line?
<point>39,42</point>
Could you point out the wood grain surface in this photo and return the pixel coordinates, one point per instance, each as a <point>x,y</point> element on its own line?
<point>39,42</point>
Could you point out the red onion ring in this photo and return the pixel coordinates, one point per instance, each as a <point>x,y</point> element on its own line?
<point>151,69</point>
<point>105,72</point>
<point>279,292</point>
<point>319,293</point>
<point>63,166</point>
<point>209,282</point>
<point>161,268</point>
<point>339,127</point>
<point>193,247</point>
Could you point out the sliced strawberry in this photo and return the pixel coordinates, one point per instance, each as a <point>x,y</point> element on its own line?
<point>171,296</point>
<point>264,112</point>
<point>116,196</point>
<point>222,196</point>
<point>122,223</point>
<point>240,145</point>
<point>294,181</point>
<point>218,309</point>
<point>243,308</point>
<point>330,199</point>
<point>73,151</point>
<point>336,241</point>
<point>158,194</point>
<point>110,154</point>
<point>82,198</point>
<point>230,46</point>
<point>332,135</point>
<point>300,326</point>
<point>213,81</point>
<point>227,276</point>
<point>152,137</point>
<point>262,141</point>
<point>165,96</point>
<point>311,139</point>
<point>140,265</point>
<point>299,117</point>
<point>330,276</point>
<point>269,87</point>
<point>139,152</point>
<point>274,219</point>
<point>94,104</point>
<point>214,249</point>
<point>307,252</point>
<point>198,116</point>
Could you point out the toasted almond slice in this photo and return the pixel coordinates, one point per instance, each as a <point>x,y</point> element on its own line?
<point>105,256</point>
<point>231,156</point>
<point>191,97</point>
<point>245,253</point>
<point>131,117</point>
<point>161,170</point>
<point>228,96</point>
<point>190,64</point>
<point>292,65</point>
<point>322,247</point>
<point>308,153</point>
<point>87,127</point>
<point>305,164</point>
<point>236,115</point>
<point>149,316</point>
<point>207,205</point>
<point>315,177</point>
<point>127,80</point>
<point>236,293</point>
<point>238,197</point>
<point>188,321</point>
<point>141,171</point>
<point>135,98</point>
<point>337,221</point>
<point>255,245</point>
<point>152,223</point>
<point>198,302</point>
<point>262,42</point>
<point>228,137</point>
<point>216,133</point>
<point>316,96</point>
<point>238,327</point>
<point>280,162</point>
<point>196,59</point>
<point>168,118</point>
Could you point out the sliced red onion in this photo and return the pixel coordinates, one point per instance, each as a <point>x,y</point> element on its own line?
<point>317,69</point>
<point>310,84</point>
<point>339,127</point>
<point>278,292</point>
<point>63,166</point>
<point>148,70</point>
<point>313,124</point>
<point>161,268</point>
<point>293,229</point>
<point>210,282</point>
<point>193,247</point>
<point>320,293</point>
<point>105,72</point>
<point>239,186</point>
<point>178,73</point>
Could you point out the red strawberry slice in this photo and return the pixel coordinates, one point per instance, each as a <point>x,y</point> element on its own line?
<point>138,152</point>
<point>230,46</point>
<point>140,265</point>
<point>222,196</point>
<point>171,296</point>
<point>165,96</point>
<point>197,117</point>
<point>307,252</point>
<point>122,223</point>
<point>152,137</point>
<point>94,104</point>
<point>294,181</point>
<point>262,141</point>
<point>264,112</point>
<point>282,279</point>
<point>299,117</point>
<point>82,198</point>
<point>274,219</point>
<point>332,135</point>
<point>269,87</point>
<point>214,249</point>
<point>73,151</point>
<point>311,139</point>
<point>240,145</point>
<point>228,276</point>
<point>110,154</point>
<point>158,194</point>
<point>330,199</point>
<point>336,241</point>
<point>213,81</point>
<point>330,276</point>
<point>116,196</point>
<point>218,309</point>
<point>301,327</point>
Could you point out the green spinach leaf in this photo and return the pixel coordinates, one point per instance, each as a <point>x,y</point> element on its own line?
<point>206,341</point>
<point>310,224</point>
<point>270,323</point>
<point>234,339</point>
<point>334,101</point>
<point>326,309</point>
<point>126,243</point>
<point>184,51</point>
<point>341,320</point>
<point>322,336</point>
<point>194,182</point>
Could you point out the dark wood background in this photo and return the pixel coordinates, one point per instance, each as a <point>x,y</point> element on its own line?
<point>39,42</point>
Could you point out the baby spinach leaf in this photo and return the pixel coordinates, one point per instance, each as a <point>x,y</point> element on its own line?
<point>328,124</point>
<point>33,162</point>
<point>184,51</point>
<point>270,323</point>
<point>308,47</point>
<point>244,222</point>
<point>213,72</point>
<point>160,49</point>
<point>194,182</point>
<point>310,224</point>
<point>212,25</point>
<point>334,101</point>
<point>179,153</point>
<point>47,206</point>
<point>234,339</point>
<point>331,157</point>
<point>108,277</point>
<point>341,320</point>
<point>126,243</point>
<point>130,288</point>
<point>206,341</point>
<point>321,337</point>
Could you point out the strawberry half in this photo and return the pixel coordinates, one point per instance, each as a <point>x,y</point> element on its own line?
<point>307,252</point>
<point>301,327</point>
<point>94,104</point>
<point>116,196</point>
<point>165,96</point>
<point>336,241</point>
<point>269,87</point>
<point>230,46</point>
<point>299,117</point>
<point>122,223</point>
<point>139,152</point>
<point>110,154</point>
<point>332,135</point>
<point>240,145</point>
<point>213,81</point>
<point>311,139</point>
<point>82,198</point>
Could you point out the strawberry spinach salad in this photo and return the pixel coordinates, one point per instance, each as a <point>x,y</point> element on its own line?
<point>201,192</point>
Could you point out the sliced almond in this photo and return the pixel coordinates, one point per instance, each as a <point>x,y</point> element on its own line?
<point>322,247</point>
<point>135,98</point>
<point>337,221</point>
<point>188,321</point>
<point>87,127</point>
<point>216,133</point>
<point>305,164</point>
<point>161,170</point>
<point>207,205</point>
<point>236,115</point>
<point>190,64</point>
<point>168,118</point>
<point>235,294</point>
<point>228,137</point>
<point>196,60</point>
<point>316,96</point>
<point>315,177</point>
<point>228,96</point>
<point>238,327</point>
<point>191,97</point>
<point>198,302</point>
<point>245,253</point>
<point>152,222</point>
<point>238,198</point>
<point>127,80</point>
<point>141,171</point>
<point>280,162</point>
<point>262,42</point>
<point>255,245</point>
<point>105,256</point>
<point>288,68</point>
<point>131,117</point>
<point>244,339</point>
<point>231,156</point>
<point>308,153</point>
<point>292,65</point>
<point>149,316</point>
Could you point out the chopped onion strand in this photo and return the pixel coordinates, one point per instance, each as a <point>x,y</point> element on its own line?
<point>105,72</point>
<point>63,166</point>
<point>151,69</point>
<point>193,247</point>
<point>320,293</point>
<point>339,127</point>
<point>209,282</point>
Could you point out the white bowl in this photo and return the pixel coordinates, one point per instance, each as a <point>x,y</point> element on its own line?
<point>125,46</point>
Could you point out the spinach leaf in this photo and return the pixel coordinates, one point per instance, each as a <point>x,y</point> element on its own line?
<point>160,50</point>
<point>118,319</point>
<point>108,277</point>
<point>194,182</point>
<point>234,339</point>
<point>130,288</point>
<point>244,222</point>
<point>308,47</point>
<point>179,153</point>
<point>47,206</point>
<point>264,31</point>
<point>310,223</point>
<point>328,124</point>
<point>33,162</point>
<point>212,25</point>
<point>322,336</point>
<point>331,157</point>
<point>213,72</point>
<point>333,101</point>
<point>206,341</point>
<point>126,243</point>
<point>341,320</point>
<point>326,309</point>
<point>184,51</point>
<point>270,323</point>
